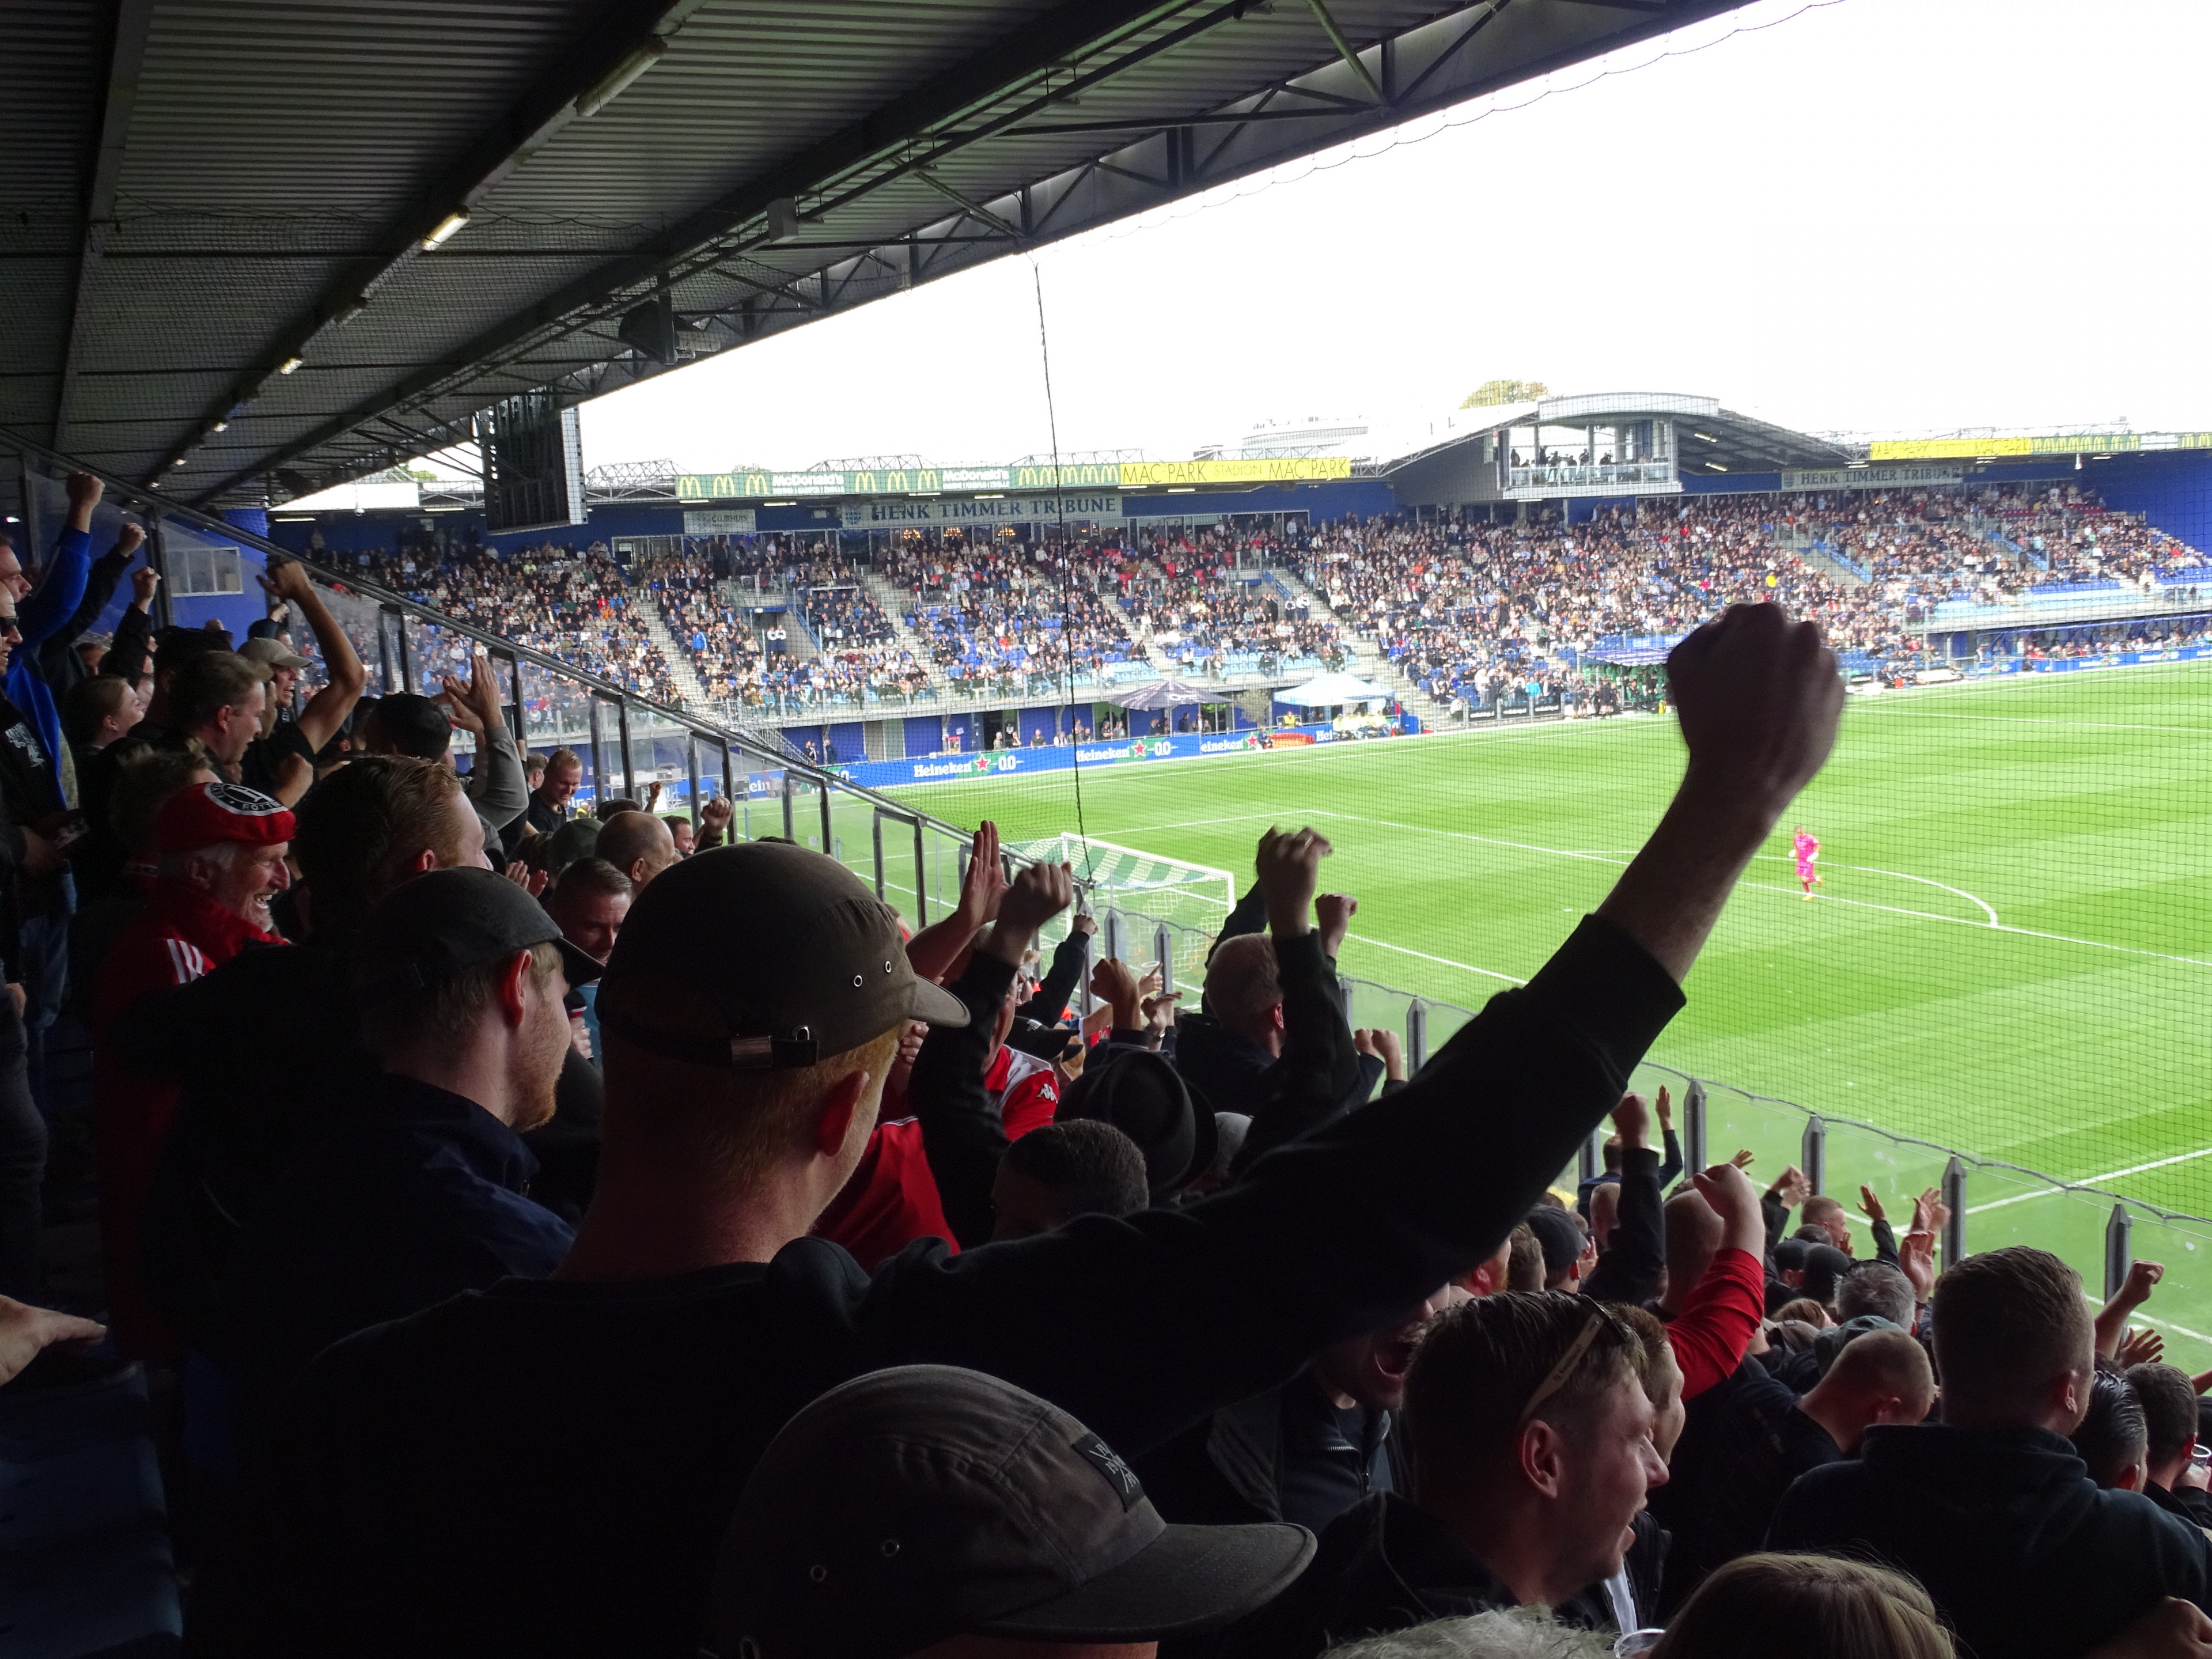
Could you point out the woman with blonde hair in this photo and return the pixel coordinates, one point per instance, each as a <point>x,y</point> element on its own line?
<point>1831,1608</point>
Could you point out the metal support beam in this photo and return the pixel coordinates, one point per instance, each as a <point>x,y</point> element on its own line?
<point>126,56</point>
<point>1343,50</point>
<point>1694,1127</point>
<point>1954,1200</point>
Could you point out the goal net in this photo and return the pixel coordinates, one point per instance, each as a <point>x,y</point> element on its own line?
<point>1146,888</point>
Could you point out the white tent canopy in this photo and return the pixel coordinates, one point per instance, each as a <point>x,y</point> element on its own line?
<point>1329,690</point>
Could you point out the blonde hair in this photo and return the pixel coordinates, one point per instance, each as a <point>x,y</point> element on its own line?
<point>741,1126</point>
<point>1832,1609</point>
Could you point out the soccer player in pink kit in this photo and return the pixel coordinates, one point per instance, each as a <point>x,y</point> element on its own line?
<point>1807,849</point>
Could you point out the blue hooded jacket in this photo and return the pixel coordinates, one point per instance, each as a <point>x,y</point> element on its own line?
<point>54,600</point>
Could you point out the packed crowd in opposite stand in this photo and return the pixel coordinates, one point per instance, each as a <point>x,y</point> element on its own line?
<point>1476,614</point>
<point>572,1235</point>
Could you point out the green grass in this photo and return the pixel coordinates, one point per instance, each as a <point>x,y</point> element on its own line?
<point>2071,1038</point>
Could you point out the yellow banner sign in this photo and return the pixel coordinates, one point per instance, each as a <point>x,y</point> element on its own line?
<point>1137,474</point>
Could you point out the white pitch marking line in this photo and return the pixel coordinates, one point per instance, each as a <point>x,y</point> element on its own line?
<point>1867,869</point>
<point>2091,1181</point>
<point>2040,719</point>
<point>1769,887</point>
<point>1464,967</point>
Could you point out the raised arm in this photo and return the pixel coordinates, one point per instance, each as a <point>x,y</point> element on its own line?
<point>1318,1073</point>
<point>327,709</point>
<point>938,948</point>
<point>495,787</point>
<point>98,587</point>
<point>1140,1325</point>
<point>61,590</point>
<point>1758,697</point>
<point>961,1134</point>
<point>1629,1270</point>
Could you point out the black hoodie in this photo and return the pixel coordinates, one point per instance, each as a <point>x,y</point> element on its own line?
<point>2025,1555</point>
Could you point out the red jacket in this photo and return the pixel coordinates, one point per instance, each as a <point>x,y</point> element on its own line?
<point>1027,1090</point>
<point>178,937</point>
<point>1717,1321</point>
<point>890,1198</point>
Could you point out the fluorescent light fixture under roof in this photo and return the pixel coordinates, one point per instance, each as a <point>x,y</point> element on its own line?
<point>348,310</point>
<point>1000,496</point>
<point>1182,489</point>
<point>289,364</point>
<point>219,426</point>
<point>445,228</point>
<point>1858,463</point>
<point>1707,436</point>
<point>618,82</point>
<point>1715,466</point>
<point>177,461</point>
<point>779,504</point>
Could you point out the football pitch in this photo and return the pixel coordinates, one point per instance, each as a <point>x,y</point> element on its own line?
<point>2009,954</point>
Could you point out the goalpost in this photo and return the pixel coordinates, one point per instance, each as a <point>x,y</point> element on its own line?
<point>1147,888</point>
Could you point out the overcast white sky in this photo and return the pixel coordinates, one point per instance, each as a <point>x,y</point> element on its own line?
<point>1877,215</point>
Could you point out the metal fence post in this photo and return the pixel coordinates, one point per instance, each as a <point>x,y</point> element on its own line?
<point>1163,953</point>
<point>1693,1127</point>
<point>2119,1253</point>
<point>790,828</point>
<point>1591,1158</point>
<point>1083,976</point>
<point>1813,1156</point>
<point>1417,1036</point>
<point>691,778</point>
<point>1110,931</point>
<point>1954,1200</point>
<point>921,878</point>
<point>876,839</point>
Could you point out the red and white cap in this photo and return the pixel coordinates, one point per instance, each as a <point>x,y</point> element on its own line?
<point>207,813</point>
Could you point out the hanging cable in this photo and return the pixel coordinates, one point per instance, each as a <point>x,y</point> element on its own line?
<point>1067,575</point>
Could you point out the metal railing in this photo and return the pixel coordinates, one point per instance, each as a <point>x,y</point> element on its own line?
<point>916,861</point>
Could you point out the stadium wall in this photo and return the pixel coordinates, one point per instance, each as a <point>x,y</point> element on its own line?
<point>1061,757</point>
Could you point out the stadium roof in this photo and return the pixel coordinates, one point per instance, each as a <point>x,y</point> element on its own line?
<point>201,198</point>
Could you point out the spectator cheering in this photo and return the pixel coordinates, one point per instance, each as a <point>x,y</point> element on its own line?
<point>2023,1553</point>
<point>544,1468</point>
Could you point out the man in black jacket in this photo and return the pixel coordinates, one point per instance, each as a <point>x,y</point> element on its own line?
<point>2169,1408</point>
<point>1272,1042</point>
<point>2025,1557</point>
<point>544,1469</point>
<point>1531,1440</point>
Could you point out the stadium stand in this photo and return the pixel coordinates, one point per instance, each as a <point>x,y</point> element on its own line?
<point>1458,613</point>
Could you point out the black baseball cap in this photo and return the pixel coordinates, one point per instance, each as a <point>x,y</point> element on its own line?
<point>1562,1240</point>
<point>441,924</point>
<point>761,955</point>
<point>926,1501</point>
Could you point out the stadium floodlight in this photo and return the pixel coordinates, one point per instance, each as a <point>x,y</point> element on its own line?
<point>444,229</point>
<point>289,364</point>
<point>617,80</point>
<point>222,425</point>
<point>177,460</point>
